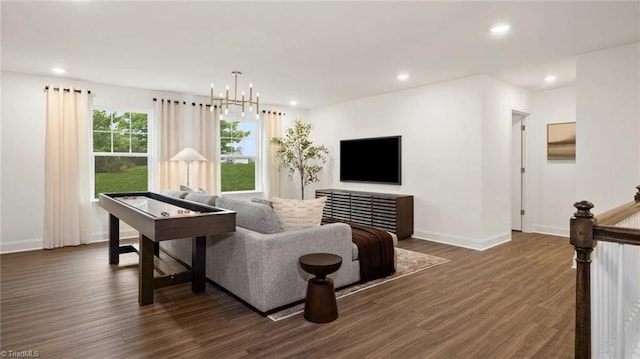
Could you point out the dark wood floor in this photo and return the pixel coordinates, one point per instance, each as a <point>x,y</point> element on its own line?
<point>512,301</point>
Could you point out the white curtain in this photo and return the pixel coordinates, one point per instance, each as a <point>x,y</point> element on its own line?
<point>169,115</point>
<point>66,169</point>
<point>271,175</point>
<point>206,133</point>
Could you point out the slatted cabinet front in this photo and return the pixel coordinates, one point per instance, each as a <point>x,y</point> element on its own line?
<point>390,212</point>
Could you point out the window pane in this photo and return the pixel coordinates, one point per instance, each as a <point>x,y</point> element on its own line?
<point>246,145</point>
<point>120,174</point>
<point>121,142</point>
<point>101,120</point>
<point>121,122</point>
<point>102,141</point>
<point>138,122</point>
<point>238,174</point>
<point>139,143</point>
<point>226,138</point>
<point>237,138</point>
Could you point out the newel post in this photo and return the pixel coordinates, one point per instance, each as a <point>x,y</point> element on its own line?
<point>581,237</point>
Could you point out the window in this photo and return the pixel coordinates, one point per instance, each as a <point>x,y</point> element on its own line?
<point>238,155</point>
<point>120,151</point>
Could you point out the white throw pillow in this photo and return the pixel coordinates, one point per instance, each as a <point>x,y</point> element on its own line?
<point>296,213</point>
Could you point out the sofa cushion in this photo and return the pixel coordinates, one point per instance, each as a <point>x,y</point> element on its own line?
<point>263,201</point>
<point>253,216</point>
<point>175,193</point>
<point>189,189</point>
<point>295,213</point>
<point>201,198</point>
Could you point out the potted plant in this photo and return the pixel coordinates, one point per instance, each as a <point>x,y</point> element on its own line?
<point>297,153</point>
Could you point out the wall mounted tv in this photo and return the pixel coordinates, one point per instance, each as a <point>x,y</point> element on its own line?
<point>371,160</point>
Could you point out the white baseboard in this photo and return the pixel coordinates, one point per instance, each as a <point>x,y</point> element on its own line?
<point>36,243</point>
<point>554,231</point>
<point>21,246</point>
<point>478,244</point>
<point>104,236</point>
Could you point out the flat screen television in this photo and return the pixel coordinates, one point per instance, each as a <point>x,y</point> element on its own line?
<point>371,160</point>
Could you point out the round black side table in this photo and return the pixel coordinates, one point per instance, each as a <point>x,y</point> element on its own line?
<point>320,305</point>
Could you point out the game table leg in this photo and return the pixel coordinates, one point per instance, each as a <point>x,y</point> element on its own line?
<point>198,259</point>
<point>114,239</point>
<point>145,269</point>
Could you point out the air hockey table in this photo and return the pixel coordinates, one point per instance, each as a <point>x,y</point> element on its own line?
<point>159,218</point>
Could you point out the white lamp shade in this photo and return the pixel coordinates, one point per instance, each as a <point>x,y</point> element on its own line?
<point>188,154</point>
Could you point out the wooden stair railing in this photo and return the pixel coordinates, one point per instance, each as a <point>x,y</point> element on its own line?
<point>585,231</point>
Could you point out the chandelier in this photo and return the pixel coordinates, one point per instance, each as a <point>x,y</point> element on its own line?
<point>225,101</point>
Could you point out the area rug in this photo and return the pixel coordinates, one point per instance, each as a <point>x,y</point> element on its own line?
<point>408,262</point>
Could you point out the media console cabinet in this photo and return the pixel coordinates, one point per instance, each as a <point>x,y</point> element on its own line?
<point>390,212</point>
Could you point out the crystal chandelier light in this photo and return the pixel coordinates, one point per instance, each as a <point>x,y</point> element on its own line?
<point>225,101</point>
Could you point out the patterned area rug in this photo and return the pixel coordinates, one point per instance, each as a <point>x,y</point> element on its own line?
<point>408,262</point>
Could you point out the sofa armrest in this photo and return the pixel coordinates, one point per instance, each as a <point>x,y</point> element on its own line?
<point>263,269</point>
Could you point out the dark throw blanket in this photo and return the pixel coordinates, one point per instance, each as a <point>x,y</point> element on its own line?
<point>375,250</point>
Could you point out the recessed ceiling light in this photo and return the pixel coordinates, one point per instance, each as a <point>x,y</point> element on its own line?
<point>403,76</point>
<point>293,102</point>
<point>550,78</point>
<point>500,28</point>
<point>58,70</point>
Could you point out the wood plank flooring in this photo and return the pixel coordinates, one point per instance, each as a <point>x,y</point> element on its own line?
<point>512,301</point>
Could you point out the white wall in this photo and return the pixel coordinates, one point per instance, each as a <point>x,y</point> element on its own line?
<point>23,113</point>
<point>608,113</point>
<point>1,161</point>
<point>552,183</point>
<point>453,138</point>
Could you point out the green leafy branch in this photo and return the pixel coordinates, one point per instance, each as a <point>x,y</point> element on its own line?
<point>297,153</point>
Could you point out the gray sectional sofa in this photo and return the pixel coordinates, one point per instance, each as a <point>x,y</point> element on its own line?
<point>258,262</point>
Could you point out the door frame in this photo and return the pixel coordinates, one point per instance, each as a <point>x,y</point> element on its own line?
<point>523,162</point>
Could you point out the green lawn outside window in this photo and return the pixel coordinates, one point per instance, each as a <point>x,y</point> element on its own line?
<point>132,179</point>
<point>235,177</point>
<point>238,177</point>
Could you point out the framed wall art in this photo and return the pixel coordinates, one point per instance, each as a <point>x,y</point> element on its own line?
<point>561,141</point>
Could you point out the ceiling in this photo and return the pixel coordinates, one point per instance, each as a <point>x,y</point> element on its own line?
<point>317,53</point>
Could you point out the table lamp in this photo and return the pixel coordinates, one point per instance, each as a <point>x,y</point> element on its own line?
<point>188,154</point>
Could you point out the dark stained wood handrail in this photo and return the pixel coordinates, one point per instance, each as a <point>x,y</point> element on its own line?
<point>611,217</point>
<point>585,232</point>
<point>620,235</point>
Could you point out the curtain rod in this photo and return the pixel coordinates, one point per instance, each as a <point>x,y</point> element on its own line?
<point>65,90</point>
<point>174,101</point>
<point>274,112</point>
<point>184,102</point>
